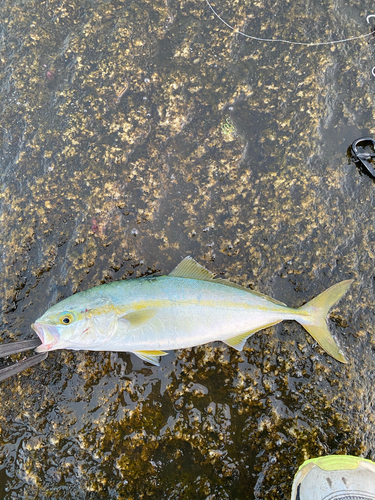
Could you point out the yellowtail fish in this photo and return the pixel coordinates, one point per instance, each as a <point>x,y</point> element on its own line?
<point>148,316</point>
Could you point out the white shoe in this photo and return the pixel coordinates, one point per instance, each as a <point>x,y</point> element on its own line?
<point>335,477</point>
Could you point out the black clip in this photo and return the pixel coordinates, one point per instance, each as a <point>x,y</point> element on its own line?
<point>16,347</point>
<point>364,157</point>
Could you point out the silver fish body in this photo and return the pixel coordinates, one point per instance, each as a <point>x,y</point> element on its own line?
<point>148,316</point>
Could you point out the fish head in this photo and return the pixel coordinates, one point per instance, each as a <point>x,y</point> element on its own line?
<point>76,324</point>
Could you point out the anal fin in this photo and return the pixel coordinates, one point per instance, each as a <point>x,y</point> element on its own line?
<point>238,341</point>
<point>152,357</point>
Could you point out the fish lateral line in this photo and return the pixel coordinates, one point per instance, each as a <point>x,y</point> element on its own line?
<point>133,308</point>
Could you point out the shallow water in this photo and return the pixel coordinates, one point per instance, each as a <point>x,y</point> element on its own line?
<point>117,160</point>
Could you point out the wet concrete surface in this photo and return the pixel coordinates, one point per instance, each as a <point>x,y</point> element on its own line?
<point>134,134</point>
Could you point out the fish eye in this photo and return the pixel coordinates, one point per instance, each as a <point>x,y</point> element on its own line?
<point>66,318</point>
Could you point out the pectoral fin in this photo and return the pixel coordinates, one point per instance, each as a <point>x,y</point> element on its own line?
<point>138,318</point>
<point>152,357</point>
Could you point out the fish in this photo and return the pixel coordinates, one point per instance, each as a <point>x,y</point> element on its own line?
<point>188,307</point>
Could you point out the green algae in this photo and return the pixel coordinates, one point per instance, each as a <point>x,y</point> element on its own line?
<point>114,166</point>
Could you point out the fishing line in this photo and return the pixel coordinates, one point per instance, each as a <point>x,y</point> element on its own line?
<point>308,44</point>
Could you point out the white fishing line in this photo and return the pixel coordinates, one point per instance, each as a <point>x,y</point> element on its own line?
<point>278,40</point>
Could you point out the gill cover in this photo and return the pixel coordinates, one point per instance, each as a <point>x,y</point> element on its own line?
<point>88,332</point>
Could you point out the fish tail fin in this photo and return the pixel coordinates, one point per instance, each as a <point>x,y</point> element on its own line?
<point>313,318</point>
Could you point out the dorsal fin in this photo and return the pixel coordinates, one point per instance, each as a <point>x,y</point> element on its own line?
<point>258,294</point>
<point>189,268</point>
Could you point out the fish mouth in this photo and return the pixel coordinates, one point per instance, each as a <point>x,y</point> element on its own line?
<point>48,335</point>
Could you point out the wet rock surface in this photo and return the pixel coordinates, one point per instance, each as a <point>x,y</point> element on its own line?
<point>134,134</point>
